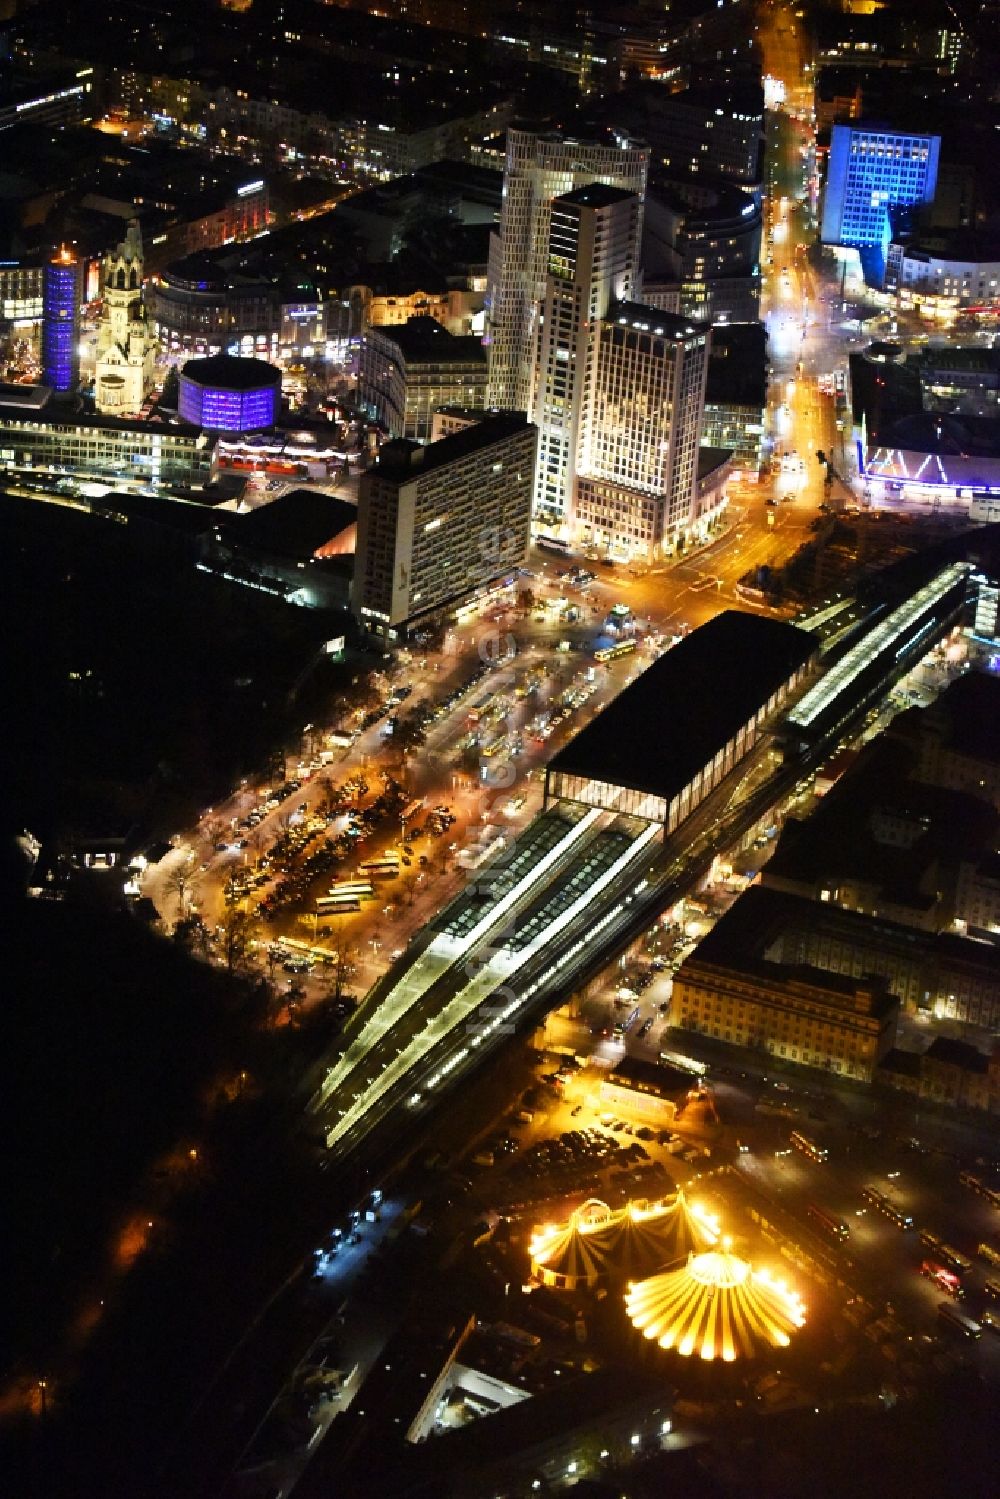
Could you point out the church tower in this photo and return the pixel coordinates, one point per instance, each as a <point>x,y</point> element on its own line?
<point>124,347</point>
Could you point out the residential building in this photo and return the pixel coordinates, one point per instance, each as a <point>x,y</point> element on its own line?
<point>406,372</point>
<point>439,523</point>
<point>873,167</point>
<point>637,490</point>
<point>539,168</point>
<point>957,739</point>
<point>593,262</point>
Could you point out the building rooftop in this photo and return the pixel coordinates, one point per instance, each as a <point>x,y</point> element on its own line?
<point>664,728</point>
<point>653,320</point>
<point>737,366</point>
<point>948,1053</point>
<point>966,715</point>
<point>298,523</point>
<point>596,195</point>
<point>424,340</point>
<point>230,373</point>
<point>24,398</point>
<point>403,459</point>
<point>754,933</point>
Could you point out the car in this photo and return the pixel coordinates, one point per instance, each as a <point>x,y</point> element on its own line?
<point>576,1111</point>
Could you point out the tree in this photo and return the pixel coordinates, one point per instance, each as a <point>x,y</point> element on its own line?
<point>526,599</point>
<point>191,932</point>
<point>178,882</point>
<point>236,938</point>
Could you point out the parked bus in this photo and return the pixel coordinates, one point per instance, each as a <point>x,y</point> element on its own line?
<point>882,1204</point>
<point>624,1026</point>
<point>411,809</point>
<point>989,1252</point>
<point>496,748</point>
<point>981,1188</point>
<point>612,652</point>
<point>380,868</point>
<point>959,1321</point>
<point>956,1261</point>
<point>553,544</point>
<point>808,1147</point>
<point>834,1228</point>
<point>992,1289</point>
<point>684,1064</point>
<point>363,889</point>
<point>337,905</point>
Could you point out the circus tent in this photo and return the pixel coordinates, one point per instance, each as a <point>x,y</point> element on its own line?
<point>597,1244</point>
<point>715,1305</point>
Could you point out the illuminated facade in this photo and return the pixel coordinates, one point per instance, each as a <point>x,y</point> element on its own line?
<point>716,1306</point>
<point>539,169</point>
<point>109,448</point>
<point>436,523</point>
<point>638,485</point>
<point>405,373</point>
<point>62,294</point>
<point>596,1244</point>
<point>592,262</point>
<point>21,292</point>
<point>871,169</point>
<point>224,394</point>
<point>124,348</point>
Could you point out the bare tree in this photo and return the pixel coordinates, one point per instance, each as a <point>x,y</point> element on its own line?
<point>178,882</point>
<point>236,938</point>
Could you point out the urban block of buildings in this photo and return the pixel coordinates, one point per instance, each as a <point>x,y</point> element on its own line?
<point>438,522</point>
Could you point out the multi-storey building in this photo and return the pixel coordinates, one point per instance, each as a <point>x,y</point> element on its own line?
<point>406,372</point>
<point>438,523</point>
<point>103,447</point>
<point>807,1016</point>
<point>539,168</point>
<point>593,261</point>
<point>637,485</point>
<point>21,293</point>
<point>873,167</point>
<point>62,294</point>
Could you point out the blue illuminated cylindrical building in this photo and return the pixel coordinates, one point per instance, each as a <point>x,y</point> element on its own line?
<point>226,394</point>
<point>62,293</point>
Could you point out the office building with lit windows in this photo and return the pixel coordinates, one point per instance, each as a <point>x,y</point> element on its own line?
<point>593,262</point>
<point>746,984</point>
<point>637,485</point>
<point>406,372</point>
<point>540,168</point>
<point>438,524</point>
<point>871,169</point>
<point>62,294</point>
<point>21,284</point>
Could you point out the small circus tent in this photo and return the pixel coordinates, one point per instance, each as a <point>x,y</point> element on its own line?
<point>596,1244</point>
<point>716,1305</point>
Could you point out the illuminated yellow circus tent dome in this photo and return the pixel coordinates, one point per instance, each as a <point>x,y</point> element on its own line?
<point>717,1306</point>
<point>596,1243</point>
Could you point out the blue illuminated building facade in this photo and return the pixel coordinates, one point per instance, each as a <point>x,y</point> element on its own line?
<point>873,168</point>
<point>62,293</point>
<point>226,394</point>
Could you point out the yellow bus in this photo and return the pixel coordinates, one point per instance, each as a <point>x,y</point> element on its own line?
<point>612,652</point>
<point>380,868</point>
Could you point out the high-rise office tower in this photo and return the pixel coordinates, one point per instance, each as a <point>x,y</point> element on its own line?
<point>593,254</point>
<point>538,169</point>
<point>871,169</point>
<point>637,484</point>
<point>62,294</point>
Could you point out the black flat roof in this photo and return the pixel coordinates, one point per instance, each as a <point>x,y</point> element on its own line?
<point>678,714</point>
<point>230,372</point>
